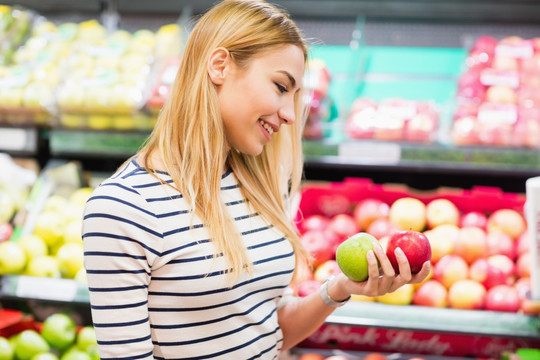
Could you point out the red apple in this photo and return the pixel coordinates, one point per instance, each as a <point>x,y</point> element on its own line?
<point>441,211</point>
<point>471,243</point>
<point>524,264</point>
<point>431,293</point>
<point>314,222</point>
<point>467,294</point>
<point>523,287</point>
<point>382,227</point>
<point>495,134</point>
<point>318,245</point>
<point>6,230</point>
<point>527,133</point>
<point>369,210</point>
<point>414,244</point>
<point>473,218</point>
<point>502,298</point>
<point>508,221</point>
<point>343,225</point>
<point>307,287</point>
<point>331,205</point>
<point>325,270</point>
<point>450,269</point>
<point>506,265</point>
<point>500,243</point>
<point>486,43</point>
<point>486,274</point>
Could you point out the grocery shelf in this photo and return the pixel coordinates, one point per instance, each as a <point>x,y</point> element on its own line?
<point>19,140</point>
<point>42,288</point>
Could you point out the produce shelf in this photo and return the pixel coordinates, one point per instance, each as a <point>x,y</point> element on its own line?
<point>50,289</point>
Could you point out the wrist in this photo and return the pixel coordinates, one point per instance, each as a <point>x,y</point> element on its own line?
<point>332,293</point>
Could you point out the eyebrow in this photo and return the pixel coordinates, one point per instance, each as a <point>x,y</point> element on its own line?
<point>291,78</point>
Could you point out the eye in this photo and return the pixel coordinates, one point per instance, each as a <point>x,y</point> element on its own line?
<point>282,89</point>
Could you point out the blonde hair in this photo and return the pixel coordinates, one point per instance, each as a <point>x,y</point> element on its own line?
<point>189,132</point>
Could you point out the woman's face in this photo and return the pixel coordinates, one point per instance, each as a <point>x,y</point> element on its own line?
<point>257,100</point>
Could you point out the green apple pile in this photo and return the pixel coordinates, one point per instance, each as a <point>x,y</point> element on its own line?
<point>54,249</point>
<point>480,260</point>
<point>58,339</point>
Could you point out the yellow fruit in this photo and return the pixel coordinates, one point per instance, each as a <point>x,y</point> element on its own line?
<point>408,214</point>
<point>70,259</point>
<point>33,246</point>
<point>50,227</point>
<point>12,258</point>
<point>55,203</point>
<point>72,231</point>
<point>80,196</point>
<point>43,266</point>
<point>402,296</point>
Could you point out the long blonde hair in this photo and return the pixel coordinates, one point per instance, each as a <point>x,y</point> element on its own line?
<point>189,133</point>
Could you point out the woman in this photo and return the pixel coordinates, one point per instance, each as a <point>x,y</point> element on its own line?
<point>190,247</point>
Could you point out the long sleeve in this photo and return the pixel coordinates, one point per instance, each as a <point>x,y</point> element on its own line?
<point>119,249</point>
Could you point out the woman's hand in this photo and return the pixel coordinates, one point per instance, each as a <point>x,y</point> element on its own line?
<point>380,281</point>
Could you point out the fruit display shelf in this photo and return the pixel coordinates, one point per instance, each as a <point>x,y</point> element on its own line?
<point>423,330</point>
<point>41,288</point>
<point>388,327</point>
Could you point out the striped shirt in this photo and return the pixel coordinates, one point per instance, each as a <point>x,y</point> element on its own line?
<point>157,291</point>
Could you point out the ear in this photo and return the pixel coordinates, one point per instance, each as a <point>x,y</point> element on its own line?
<point>218,65</point>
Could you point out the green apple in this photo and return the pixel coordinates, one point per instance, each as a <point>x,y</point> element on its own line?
<point>70,258</point>
<point>7,207</point>
<point>59,330</point>
<point>33,246</point>
<point>81,276</point>
<point>86,339</point>
<point>45,356</point>
<point>12,258</point>
<point>43,266</point>
<point>55,203</point>
<point>6,350</point>
<point>75,354</point>
<point>30,343</point>
<point>81,196</point>
<point>351,255</point>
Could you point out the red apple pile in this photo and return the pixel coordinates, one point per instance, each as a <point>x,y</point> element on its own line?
<point>498,102</point>
<point>479,260</point>
<point>392,119</point>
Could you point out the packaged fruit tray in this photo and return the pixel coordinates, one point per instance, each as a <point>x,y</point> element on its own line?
<point>404,322</point>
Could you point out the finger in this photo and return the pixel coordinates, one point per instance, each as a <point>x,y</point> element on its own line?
<point>403,264</point>
<point>422,274</point>
<point>386,266</point>
<point>372,282</point>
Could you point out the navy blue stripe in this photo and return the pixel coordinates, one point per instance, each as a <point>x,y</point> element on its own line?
<point>116,307</point>
<point>155,183</point>
<point>120,237</point>
<point>182,229</point>
<point>142,356</point>
<point>246,216</point>
<point>118,218</point>
<point>215,336</point>
<point>242,298</point>
<point>108,253</point>
<point>257,230</point>
<point>195,243</point>
<point>165,198</point>
<point>268,243</point>
<point>127,341</point>
<point>104,197</point>
<point>173,213</point>
<point>128,323</point>
<point>236,202</point>
<point>200,323</point>
<point>125,288</point>
<point>246,344</point>
<point>258,356</point>
<point>141,271</point>
<point>273,258</point>
<point>120,186</point>
<point>230,187</point>
<point>193,259</point>
<point>130,173</point>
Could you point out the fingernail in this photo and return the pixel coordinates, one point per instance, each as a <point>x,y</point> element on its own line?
<point>399,252</point>
<point>370,254</point>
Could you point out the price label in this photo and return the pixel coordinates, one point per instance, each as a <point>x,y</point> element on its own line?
<point>370,152</point>
<point>17,139</point>
<point>46,288</point>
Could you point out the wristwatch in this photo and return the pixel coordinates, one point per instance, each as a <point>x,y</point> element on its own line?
<point>326,297</point>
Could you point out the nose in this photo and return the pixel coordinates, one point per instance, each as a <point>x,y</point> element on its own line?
<point>286,112</point>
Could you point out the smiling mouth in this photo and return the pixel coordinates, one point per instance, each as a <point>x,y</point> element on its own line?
<point>266,127</point>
